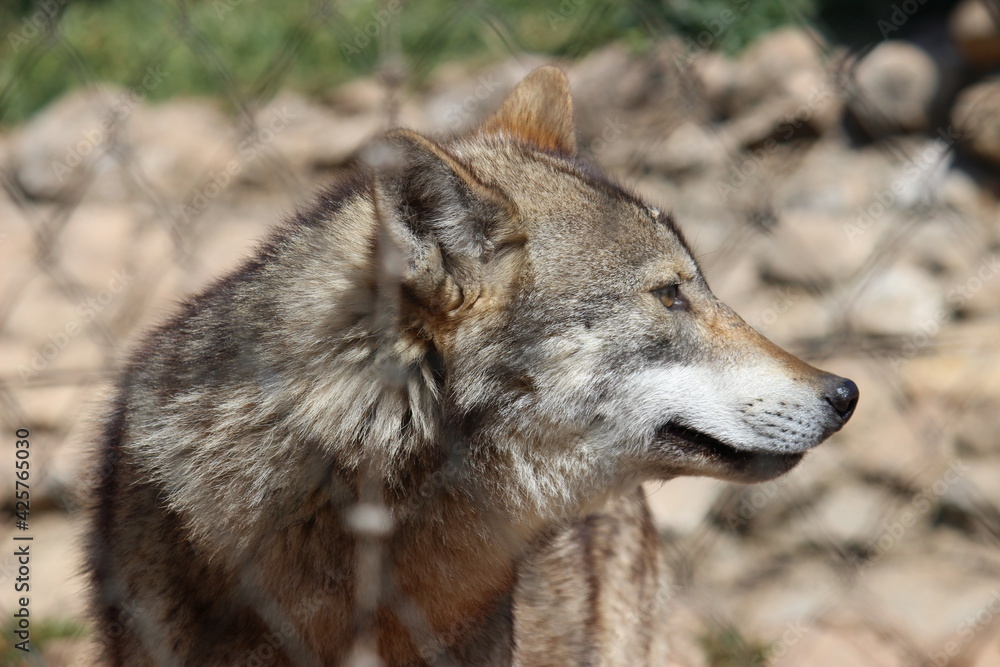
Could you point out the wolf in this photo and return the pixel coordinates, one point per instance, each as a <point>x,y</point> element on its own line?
<point>412,428</point>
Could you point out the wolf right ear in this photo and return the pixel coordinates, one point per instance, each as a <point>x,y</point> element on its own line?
<point>539,111</point>
<point>446,220</point>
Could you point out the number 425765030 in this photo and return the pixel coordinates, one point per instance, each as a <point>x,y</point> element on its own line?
<point>22,499</point>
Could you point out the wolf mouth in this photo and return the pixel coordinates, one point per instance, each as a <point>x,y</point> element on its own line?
<point>742,464</point>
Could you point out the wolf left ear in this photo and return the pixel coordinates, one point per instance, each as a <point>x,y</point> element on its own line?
<point>539,111</point>
<point>446,219</point>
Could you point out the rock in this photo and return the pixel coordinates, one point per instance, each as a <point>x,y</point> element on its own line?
<point>49,411</point>
<point>112,147</point>
<point>959,373</point>
<point>783,63</point>
<point>17,241</point>
<point>787,313</point>
<point>867,184</point>
<point>917,177</point>
<point>682,505</point>
<point>313,137</point>
<point>186,148</point>
<point>894,88</point>
<point>809,249</point>
<point>610,76</point>
<point>460,98</point>
<point>50,408</point>
<point>733,273</point>
<point>985,652</point>
<point>859,645</point>
<point>976,117</point>
<point>782,91</point>
<point>977,491</point>
<point>976,431</point>
<point>233,237</point>
<point>57,589</point>
<point>760,509</point>
<point>961,193</point>
<point>881,440</point>
<point>797,590</point>
<point>926,595</point>
<point>41,306</point>
<point>98,239</point>
<point>974,29</point>
<point>67,146</point>
<point>961,388</point>
<point>900,300</point>
<point>360,97</point>
<point>848,514</point>
<point>717,75</point>
<point>689,148</point>
<point>631,96</point>
<point>757,125</point>
<point>980,297</point>
<point>948,248</point>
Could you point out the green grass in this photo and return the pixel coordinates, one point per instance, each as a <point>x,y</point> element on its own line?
<point>244,50</point>
<point>42,633</point>
<point>726,646</point>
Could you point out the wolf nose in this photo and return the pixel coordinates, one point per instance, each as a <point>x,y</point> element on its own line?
<point>843,397</point>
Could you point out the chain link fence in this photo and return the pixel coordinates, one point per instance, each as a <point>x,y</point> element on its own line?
<point>843,199</point>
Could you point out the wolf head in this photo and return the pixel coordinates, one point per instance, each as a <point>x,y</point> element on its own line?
<point>573,325</point>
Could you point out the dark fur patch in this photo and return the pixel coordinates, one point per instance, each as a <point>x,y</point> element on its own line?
<point>330,201</point>
<point>584,535</point>
<point>101,561</point>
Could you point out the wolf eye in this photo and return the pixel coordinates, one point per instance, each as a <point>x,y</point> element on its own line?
<point>667,295</point>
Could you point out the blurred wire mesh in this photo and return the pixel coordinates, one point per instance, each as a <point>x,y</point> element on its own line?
<point>834,165</point>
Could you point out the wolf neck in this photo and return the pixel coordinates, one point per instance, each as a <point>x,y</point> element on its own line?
<point>453,548</point>
<point>370,413</point>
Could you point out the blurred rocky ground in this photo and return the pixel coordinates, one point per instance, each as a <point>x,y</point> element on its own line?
<point>845,204</point>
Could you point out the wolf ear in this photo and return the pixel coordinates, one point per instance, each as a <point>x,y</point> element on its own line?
<point>445,219</point>
<point>539,111</point>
